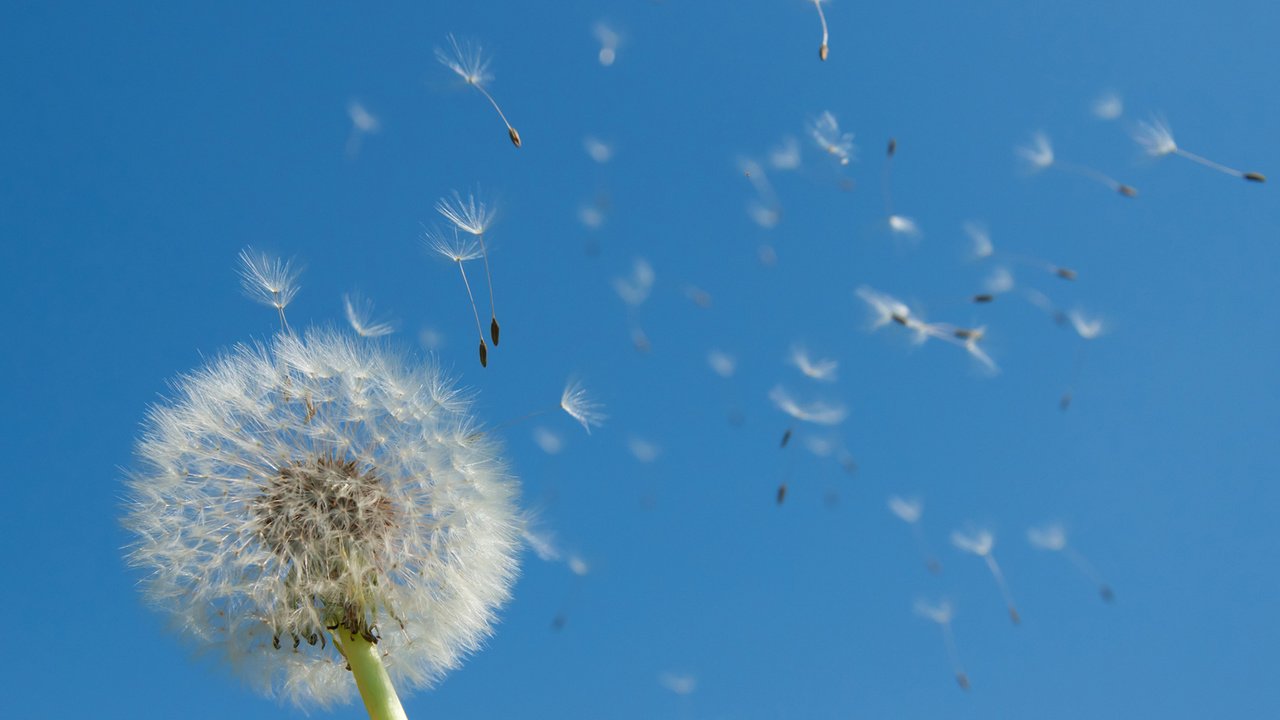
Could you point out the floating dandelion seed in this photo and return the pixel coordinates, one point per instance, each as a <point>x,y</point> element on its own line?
<point>643,450</point>
<point>785,156</point>
<point>362,123</point>
<point>722,363</point>
<point>609,43</point>
<point>269,280</point>
<point>980,236</point>
<point>905,226</point>
<point>1108,106</point>
<point>599,150</point>
<point>548,440</point>
<point>823,370</point>
<point>822,49</point>
<point>909,511</point>
<point>1053,537</point>
<point>1086,327</point>
<point>697,296</point>
<point>678,684</point>
<point>578,566</point>
<point>1039,155</point>
<point>900,225</point>
<point>999,281</point>
<point>1156,139</point>
<point>359,312</point>
<point>981,543</point>
<point>635,290</point>
<point>818,412</point>
<point>467,60</point>
<point>461,250</point>
<point>786,438</point>
<point>969,338</point>
<point>474,217</point>
<point>315,487</point>
<point>764,209</point>
<point>885,308</point>
<point>826,133</point>
<point>578,404</point>
<point>781,496</point>
<point>941,613</point>
<point>542,543</point>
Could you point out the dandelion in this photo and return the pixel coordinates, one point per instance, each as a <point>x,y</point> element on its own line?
<point>823,370</point>
<point>362,123</point>
<point>322,487</point>
<point>1156,139</point>
<point>1038,156</point>
<point>473,217</point>
<point>818,412</point>
<point>269,280</point>
<point>981,543</point>
<point>609,42</point>
<point>1108,106</point>
<point>359,312</point>
<point>826,133</point>
<point>467,60</point>
<point>578,404</point>
<point>909,511</point>
<point>822,49</point>
<point>461,250</point>
<point>1053,537</point>
<point>941,613</point>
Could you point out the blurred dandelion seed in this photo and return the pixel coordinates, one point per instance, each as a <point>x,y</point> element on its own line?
<point>781,495</point>
<point>643,450</point>
<point>362,123</point>
<point>825,131</point>
<point>980,236</point>
<point>609,42</point>
<point>359,311</point>
<point>1108,106</point>
<point>474,217</point>
<point>548,440</point>
<point>467,60</point>
<point>786,438</point>
<point>678,684</point>
<point>822,49</point>
<point>461,250</point>
<point>909,510</point>
<point>818,412</point>
<point>580,406</point>
<point>823,370</point>
<point>785,156</point>
<point>269,280</point>
<point>1053,537</point>
<point>599,150</point>
<point>942,613</point>
<point>1039,155</point>
<point>722,363</point>
<point>320,486</point>
<point>981,543</point>
<point>1156,139</point>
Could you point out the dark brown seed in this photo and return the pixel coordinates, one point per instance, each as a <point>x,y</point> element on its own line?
<point>1128,190</point>
<point>900,319</point>
<point>515,136</point>
<point>493,331</point>
<point>963,680</point>
<point>1065,402</point>
<point>484,355</point>
<point>1255,177</point>
<point>984,298</point>
<point>1065,273</point>
<point>822,52</point>
<point>963,334</point>
<point>893,146</point>
<point>1107,595</point>
<point>1014,616</point>
<point>782,493</point>
<point>786,437</point>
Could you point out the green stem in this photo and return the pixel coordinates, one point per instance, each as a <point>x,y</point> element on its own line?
<point>380,698</point>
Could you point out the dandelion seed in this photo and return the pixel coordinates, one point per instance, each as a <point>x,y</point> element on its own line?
<point>785,156</point>
<point>474,217</point>
<point>909,511</point>
<point>467,60</point>
<point>1038,155</point>
<point>999,281</point>
<point>765,209</point>
<point>548,440</point>
<point>722,363</point>
<point>362,123</point>
<point>818,412</point>
<point>578,404</point>
<point>579,566</point>
<point>981,543</point>
<point>461,250</point>
<point>781,494</point>
<point>1053,537</point>
<point>1085,327</point>
<point>643,450</point>
<point>941,613</point>
<point>826,133</point>
<point>678,684</point>
<point>635,289</point>
<point>591,216</point>
<point>786,438</point>
<point>599,150</point>
<point>970,337</point>
<point>359,312</point>
<point>980,236</point>
<point>822,49</point>
<point>885,308</point>
<point>1065,273</point>
<point>269,281</point>
<point>905,226</point>
<point>698,296</point>
<point>609,42</point>
<point>823,370</point>
<point>1108,106</point>
<point>1156,139</point>
<point>317,487</point>
<point>542,543</point>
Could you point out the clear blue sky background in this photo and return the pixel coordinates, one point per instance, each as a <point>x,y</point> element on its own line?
<point>142,145</point>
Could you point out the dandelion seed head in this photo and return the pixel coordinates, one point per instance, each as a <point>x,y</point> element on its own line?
<point>466,59</point>
<point>471,216</point>
<point>907,509</point>
<point>581,407</point>
<point>977,541</point>
<point>268,280</point>
<point>321,481</point>
<point>1155,137</point>
<point>1048,537</point>
<point>359,311</point>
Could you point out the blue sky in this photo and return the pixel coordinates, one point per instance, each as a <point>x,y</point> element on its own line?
<point>143,147</point>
